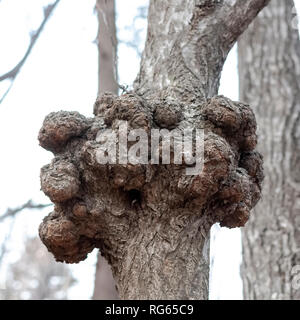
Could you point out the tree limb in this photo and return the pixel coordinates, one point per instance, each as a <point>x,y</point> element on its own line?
<point>11,213</point>
<point>28,205</point>
<point>237,15</point>
<point>12,74</point>
<point>200,37</point>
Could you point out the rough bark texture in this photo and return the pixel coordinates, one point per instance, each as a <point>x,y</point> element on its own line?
<point>269,66</point>
<point>187,44</point>
<point>105,286</point>
<point>107,44</point>
<point>151,221</point>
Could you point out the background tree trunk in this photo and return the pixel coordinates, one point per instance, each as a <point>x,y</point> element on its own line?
<point>269,69</point>
<point>107,46</point>
<point>105,286</point>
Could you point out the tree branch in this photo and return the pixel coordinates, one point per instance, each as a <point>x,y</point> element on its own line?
<point>11,213</point>
<point>200,37</point>
<point>12,74</point>
<point>237,15</point>
<point>28,205</point>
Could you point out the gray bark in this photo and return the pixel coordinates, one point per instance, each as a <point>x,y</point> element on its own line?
<point>105,286</point>
<point>152,222</point>
<point>269,67</point>
<point>107,47</point>
<point>187,44</point>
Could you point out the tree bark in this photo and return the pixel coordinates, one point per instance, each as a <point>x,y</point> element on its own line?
<point>186,49</point>
<point>105,286</point>
<point>107,47</point>
<point>269,69</point>
<point>152,221</point>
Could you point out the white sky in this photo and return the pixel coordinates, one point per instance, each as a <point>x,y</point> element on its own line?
<point>61,73</point>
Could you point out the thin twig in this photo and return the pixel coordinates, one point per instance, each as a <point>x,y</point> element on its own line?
<point>6,92</point>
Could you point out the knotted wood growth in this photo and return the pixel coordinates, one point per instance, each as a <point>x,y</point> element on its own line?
<point>109,206</point>
<point>152,221</point>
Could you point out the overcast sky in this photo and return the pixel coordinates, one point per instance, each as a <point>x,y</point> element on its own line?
<point>61,73</point>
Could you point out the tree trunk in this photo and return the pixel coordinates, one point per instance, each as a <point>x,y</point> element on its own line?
<point>107,46</point>
<point>152,221</point>
<point>269,69</point>
<point>105,286</point>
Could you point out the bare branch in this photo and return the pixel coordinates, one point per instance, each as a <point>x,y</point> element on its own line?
<point>11,213</point>
<point>12,74</point>
<point>28,205</point>
<point>237,15</point>
<point>206,31</point>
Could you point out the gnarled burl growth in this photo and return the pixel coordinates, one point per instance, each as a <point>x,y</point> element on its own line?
<point>152,221</point>
<point>114,206</point>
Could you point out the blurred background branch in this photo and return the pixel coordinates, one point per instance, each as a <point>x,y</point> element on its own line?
<point>12,213</point>
<point>34,35</point>
<point>28,205</point>
<point>136,31</point>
